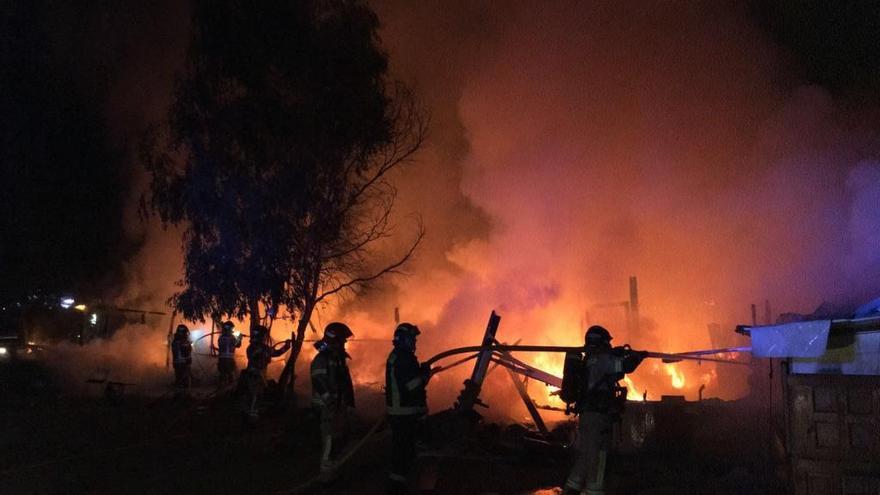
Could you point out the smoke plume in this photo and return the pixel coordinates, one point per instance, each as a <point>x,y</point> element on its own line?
<point>575,144</point>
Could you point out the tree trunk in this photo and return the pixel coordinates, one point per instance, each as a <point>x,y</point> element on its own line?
<point>254,305</point>
<point>287,379</point>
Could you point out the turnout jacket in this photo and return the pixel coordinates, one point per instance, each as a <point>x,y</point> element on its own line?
<point>259,355</point>
<point>226,345</point>
<point>405,382</point>
<point>603,368</point>
<point>331,379</point>
<point>181,352</point>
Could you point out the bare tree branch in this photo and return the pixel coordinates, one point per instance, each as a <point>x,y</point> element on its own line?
<point>392,268</point>
<point>409,136</point>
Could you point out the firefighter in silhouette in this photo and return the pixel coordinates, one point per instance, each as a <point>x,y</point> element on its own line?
<point>227,343</point>
<point>259,354</point>
<point>181,356</point>
<point>406,403</point>
<point>590,385</point>
<point>332,390</point>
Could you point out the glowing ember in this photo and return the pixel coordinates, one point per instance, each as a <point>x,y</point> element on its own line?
<point>676,375</point>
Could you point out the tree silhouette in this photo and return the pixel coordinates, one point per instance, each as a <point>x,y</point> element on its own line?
<point>275,158</point>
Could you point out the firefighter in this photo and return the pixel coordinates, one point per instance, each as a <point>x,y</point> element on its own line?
<point>599,400</point>
<point>227,343</point>
<point>332,390</point>
<point>405,400</point>
<point>259,354</point>
<point>181,354</point>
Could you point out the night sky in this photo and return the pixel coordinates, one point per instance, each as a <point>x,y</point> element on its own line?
<point>67,68</point>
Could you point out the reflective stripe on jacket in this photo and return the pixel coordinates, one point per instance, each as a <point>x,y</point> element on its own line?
<point>226,345</point>
<point>404,384</point>
<point>602,370</point>
<point>331,379</point>
<point>181,351</point>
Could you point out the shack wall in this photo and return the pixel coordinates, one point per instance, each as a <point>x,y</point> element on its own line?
<point>833,430</point>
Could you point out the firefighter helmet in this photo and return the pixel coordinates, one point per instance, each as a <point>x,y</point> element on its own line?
<point>337,332</point>
<point>227,326</point>
<point>597,335</point>
<point>405,336</point>
<point>406,329</point>
<point>182,331</point>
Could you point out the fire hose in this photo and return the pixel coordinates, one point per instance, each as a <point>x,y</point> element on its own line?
<point>685,356</point>
<point>301,488</point>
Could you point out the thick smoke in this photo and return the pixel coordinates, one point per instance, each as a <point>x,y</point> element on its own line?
<point>574,144</point>
<point>670,141</point>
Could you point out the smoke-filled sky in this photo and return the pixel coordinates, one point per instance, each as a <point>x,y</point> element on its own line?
<point>679,142</point>
<point>724,154</point>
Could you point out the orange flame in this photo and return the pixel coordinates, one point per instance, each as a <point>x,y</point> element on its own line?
<point>551,363</point>
<point>678,380</point>
<point>632,393</point>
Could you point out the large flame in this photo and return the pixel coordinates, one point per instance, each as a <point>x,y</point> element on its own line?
<point>552,363</point>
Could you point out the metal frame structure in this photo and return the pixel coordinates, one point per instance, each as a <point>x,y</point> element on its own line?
<point>492,351</point>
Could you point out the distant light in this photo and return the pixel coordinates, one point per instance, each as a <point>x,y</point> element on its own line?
<point>3,351</point>
<point>80,307</point>
<point>93,319</point>
<point>67,302</point>
<point>237,334</point>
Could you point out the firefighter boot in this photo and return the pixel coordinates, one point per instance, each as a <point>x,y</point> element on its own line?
<point>596,485</point>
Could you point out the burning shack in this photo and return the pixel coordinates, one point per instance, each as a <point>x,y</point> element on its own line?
<point>828,369</point>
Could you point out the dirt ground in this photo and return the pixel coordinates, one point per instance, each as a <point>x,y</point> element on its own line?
<point>52,443</point>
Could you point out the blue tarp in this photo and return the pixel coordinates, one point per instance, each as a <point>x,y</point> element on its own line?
<point>854,333</point>
<point>799,339</point>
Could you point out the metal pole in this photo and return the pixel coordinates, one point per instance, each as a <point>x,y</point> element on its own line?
<point>470,394</point>
<point>512,363</point>
<point>633,306</point>
<point>684,356</point>
<point>530,404</point>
